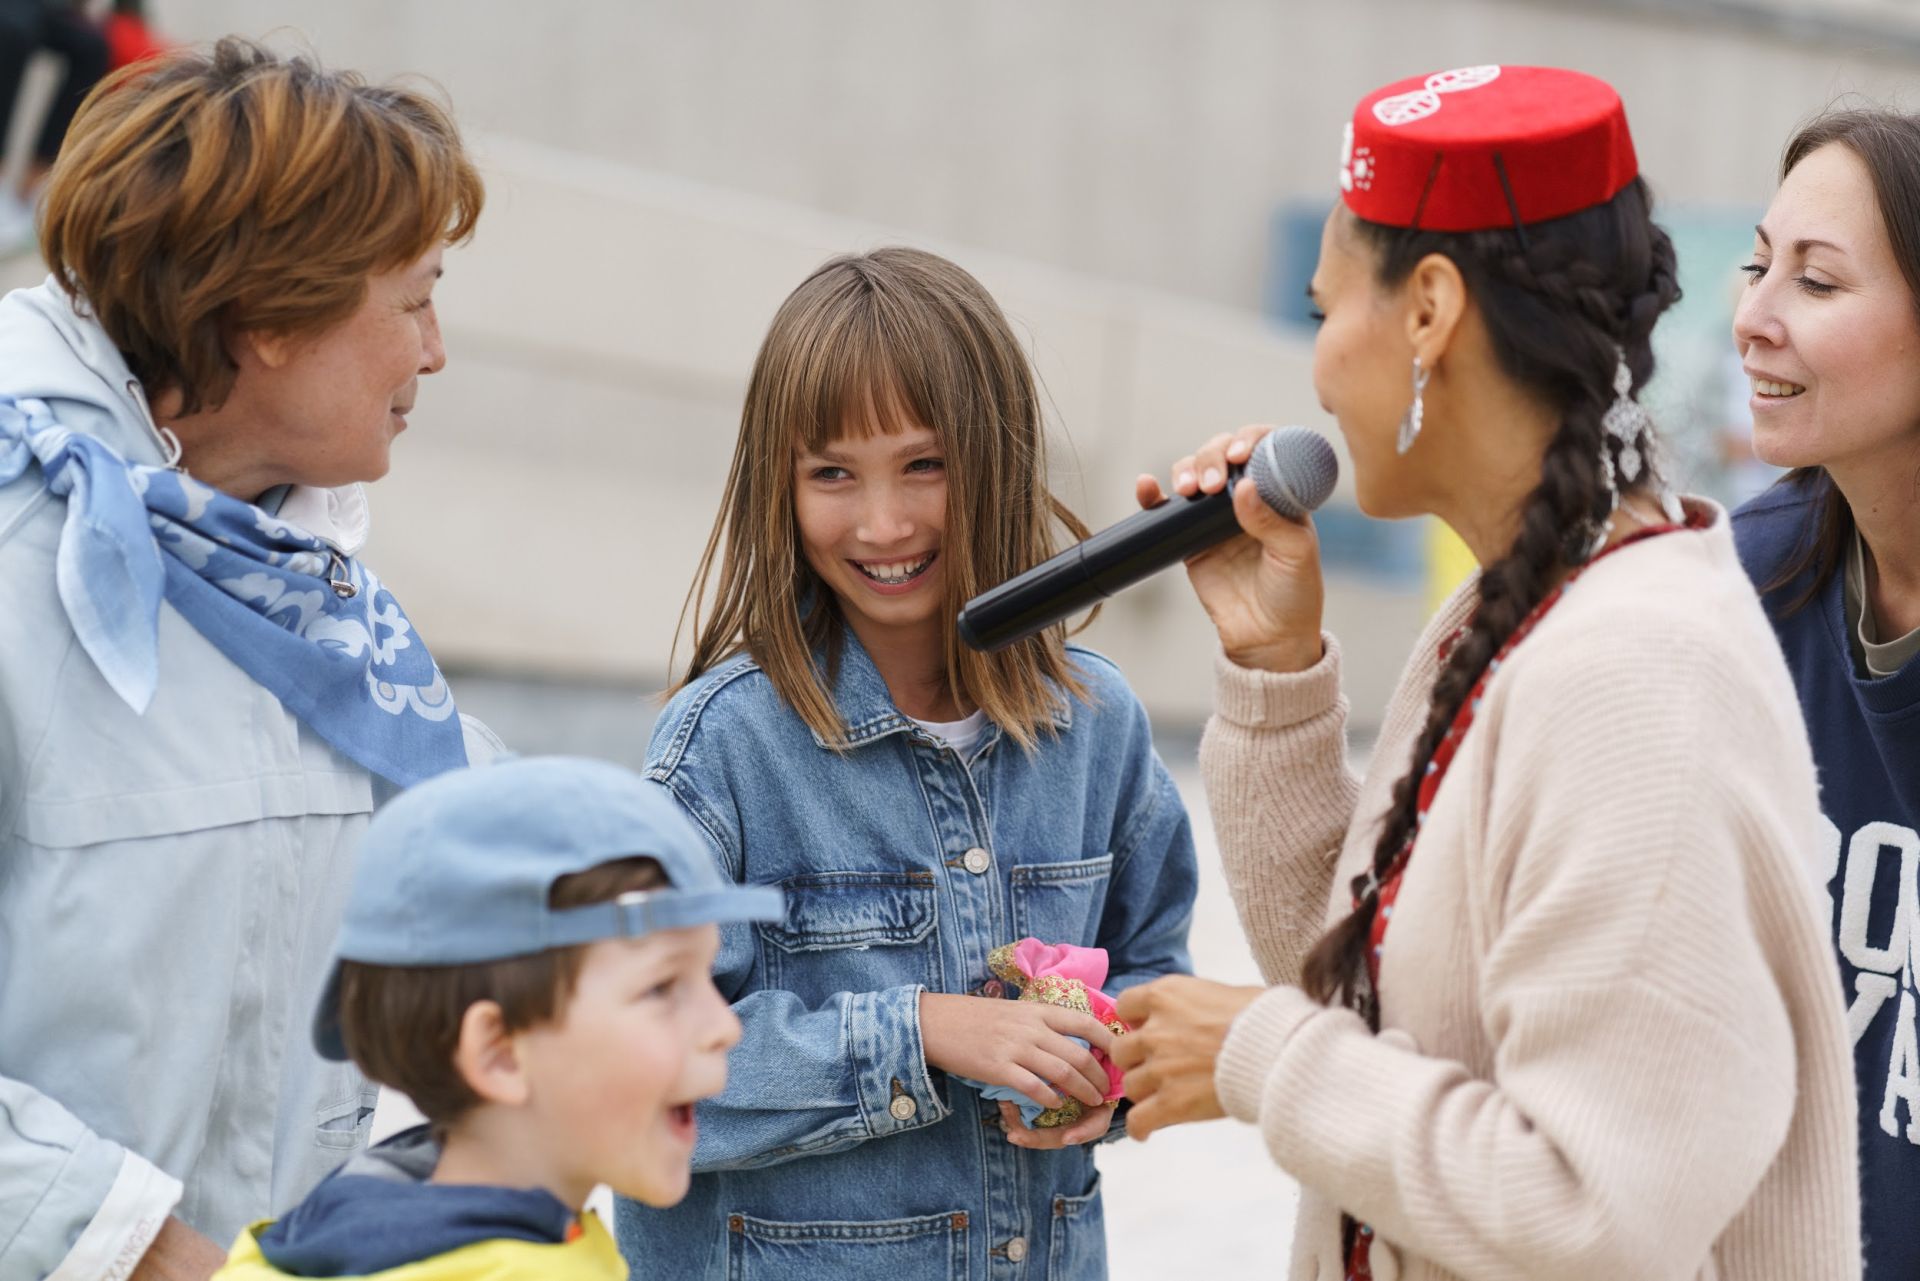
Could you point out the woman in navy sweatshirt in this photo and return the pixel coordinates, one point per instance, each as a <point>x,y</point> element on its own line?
<point>1829,332</point>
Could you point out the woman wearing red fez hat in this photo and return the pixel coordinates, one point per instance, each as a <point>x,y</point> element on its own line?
<point>1552,996</point>
<point>1828,332</point>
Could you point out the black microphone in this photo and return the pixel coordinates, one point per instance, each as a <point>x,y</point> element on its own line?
<point>1294,470</point>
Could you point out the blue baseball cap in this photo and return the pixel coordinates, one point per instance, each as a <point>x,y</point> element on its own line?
<point>456,871</point>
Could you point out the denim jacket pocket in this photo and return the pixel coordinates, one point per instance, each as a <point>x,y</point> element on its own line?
<point>344,1117</point>
<point>853,932</point>
<point>931,1247</point>
<point>1060,902</point>
<point>1077,1248</point>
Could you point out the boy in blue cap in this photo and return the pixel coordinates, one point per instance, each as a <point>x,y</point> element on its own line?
<point>527,953</point>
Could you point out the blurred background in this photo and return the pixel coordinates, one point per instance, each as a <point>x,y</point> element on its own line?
<point>1140,183</point>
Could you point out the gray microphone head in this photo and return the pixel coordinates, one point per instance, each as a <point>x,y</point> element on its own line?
<point>1293,469</point>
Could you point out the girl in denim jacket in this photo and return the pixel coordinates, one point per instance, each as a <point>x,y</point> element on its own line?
<point>918,803</point>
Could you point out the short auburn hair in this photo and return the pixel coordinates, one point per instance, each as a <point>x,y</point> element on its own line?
<point>401,1023</point>
<point>212,192</point>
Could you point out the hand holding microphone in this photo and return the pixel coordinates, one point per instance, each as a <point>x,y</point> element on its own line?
<point>1262,592</point>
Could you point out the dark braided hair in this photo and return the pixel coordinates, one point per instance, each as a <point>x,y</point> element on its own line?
<point>1560,306</point>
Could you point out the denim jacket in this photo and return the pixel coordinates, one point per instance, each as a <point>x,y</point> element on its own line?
<point>836,1151</point>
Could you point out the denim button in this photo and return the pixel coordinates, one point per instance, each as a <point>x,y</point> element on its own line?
<point>1017,1249</point>
<point>903,1108</point>
<point>977,860</point>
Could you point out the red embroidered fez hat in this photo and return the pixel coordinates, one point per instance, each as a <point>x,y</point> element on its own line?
<point>1479,148</point>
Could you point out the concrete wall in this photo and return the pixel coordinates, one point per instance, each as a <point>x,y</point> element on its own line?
<point>661,174</point>
<point>547,507</point>
<point>1139,140</point>
<point>573,452</point>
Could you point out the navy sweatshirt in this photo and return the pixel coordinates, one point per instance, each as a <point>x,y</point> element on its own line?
<point>1866,745</point>
<point>378,1212</point>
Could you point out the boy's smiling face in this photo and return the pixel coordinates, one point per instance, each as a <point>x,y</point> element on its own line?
<point>611,1083</point>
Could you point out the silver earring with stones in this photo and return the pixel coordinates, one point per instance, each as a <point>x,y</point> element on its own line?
<point>1416,412</point>
<point>1627,421</point>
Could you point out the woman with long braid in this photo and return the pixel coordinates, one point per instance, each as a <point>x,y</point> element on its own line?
<point>1574,1016</point>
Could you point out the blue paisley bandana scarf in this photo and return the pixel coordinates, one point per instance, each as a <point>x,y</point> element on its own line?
<point>314,627</point>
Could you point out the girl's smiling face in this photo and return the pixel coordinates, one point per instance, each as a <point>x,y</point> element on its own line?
<point>1827,330</point>
<point>871,507</point>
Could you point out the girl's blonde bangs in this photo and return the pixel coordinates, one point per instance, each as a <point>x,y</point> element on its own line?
<point>854,375</point>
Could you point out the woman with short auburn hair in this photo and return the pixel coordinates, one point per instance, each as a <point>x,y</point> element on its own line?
<point>203,692</point>
<point>1827,331</point>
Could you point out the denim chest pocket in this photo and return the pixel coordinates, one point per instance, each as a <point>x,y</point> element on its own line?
<point>1061,902</point>
<point>930,1247</point>
<point>344,1117</point>
<point>853,932</point>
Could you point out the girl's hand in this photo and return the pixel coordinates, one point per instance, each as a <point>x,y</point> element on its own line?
<point>1261,589</point>
<point>1021,1044</point>
<point>1090,1128</point>
<point>1179,1025</point>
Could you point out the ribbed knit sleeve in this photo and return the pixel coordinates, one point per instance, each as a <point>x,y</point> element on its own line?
<point>1274,761</point>
<point>1613,1042</point>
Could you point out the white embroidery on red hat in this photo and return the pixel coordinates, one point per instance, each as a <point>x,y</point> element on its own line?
<point>1463,78</point>
<point>1356,167</point>
<point>1405,108</point>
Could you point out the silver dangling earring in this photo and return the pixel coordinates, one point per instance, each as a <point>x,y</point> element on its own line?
<point>1627,421</point>
<point>1417,411</point>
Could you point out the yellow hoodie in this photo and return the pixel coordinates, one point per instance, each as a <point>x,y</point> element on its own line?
<point>590,1256</point>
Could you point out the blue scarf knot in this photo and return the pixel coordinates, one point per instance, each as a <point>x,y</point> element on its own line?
<point>313,626</point>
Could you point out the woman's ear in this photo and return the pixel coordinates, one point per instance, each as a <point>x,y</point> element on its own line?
<point>487,1056</point>
<point>1436,297</point>
<point>261,347</point>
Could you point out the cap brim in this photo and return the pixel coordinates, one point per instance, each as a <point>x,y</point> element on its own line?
<point>644,912</point>
<point>326,1019</point>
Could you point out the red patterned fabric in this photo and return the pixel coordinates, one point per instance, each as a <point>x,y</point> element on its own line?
<point>1430,151</point>
<point>1359,1260</point>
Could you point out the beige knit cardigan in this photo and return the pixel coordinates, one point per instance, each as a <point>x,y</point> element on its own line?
<point>1613,1043</point>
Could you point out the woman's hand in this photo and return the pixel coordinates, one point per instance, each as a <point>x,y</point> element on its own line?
<point>1179,1024</point>
<point>179,1253</point>
<point>1021,1044</point>
<point>1261,590</point>
<point>1090,1128</point>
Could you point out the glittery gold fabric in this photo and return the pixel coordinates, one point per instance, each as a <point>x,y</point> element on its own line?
<point>1048,989</point>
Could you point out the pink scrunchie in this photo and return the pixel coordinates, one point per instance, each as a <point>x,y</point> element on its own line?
<point>1087,964</point>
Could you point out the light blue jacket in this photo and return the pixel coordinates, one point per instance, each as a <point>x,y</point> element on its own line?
<point>836,1151</point>
<point>170,884</point>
